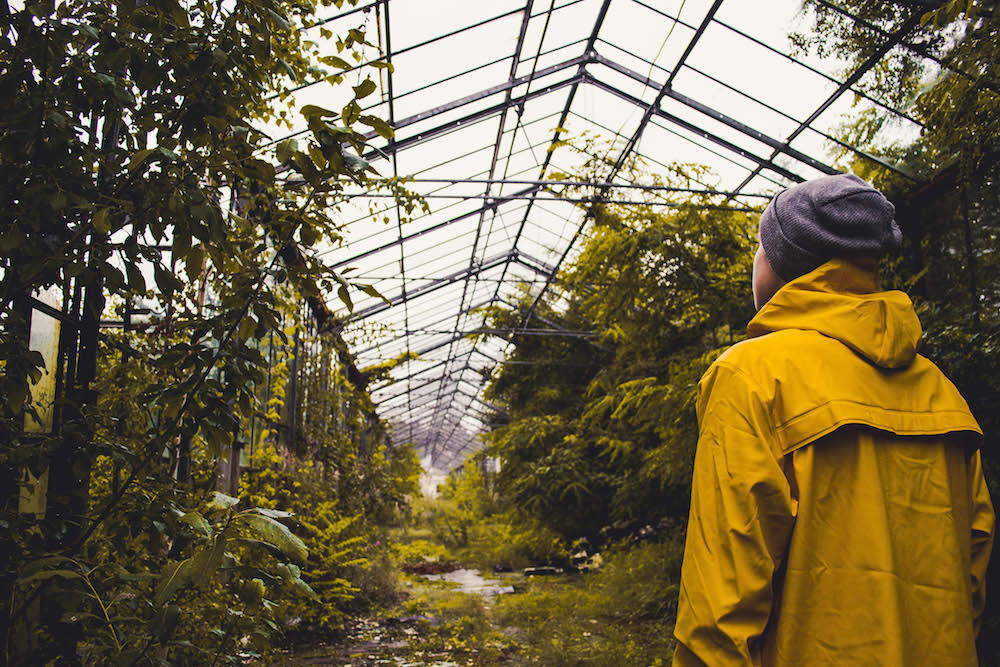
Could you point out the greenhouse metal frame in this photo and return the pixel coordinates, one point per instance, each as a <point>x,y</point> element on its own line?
<point>490,157</point>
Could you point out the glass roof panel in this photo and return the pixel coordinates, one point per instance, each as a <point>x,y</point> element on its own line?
<point>476,144</point>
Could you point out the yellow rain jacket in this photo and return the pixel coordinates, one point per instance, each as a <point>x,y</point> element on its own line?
<point>839,514</point>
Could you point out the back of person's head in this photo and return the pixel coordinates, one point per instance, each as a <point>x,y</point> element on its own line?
<point>831,217</point>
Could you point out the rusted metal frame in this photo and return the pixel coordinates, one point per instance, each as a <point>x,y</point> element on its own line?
<point>784,55</point>
<point>742,128</point>
<point>429,287</point>
<point>858,72</point>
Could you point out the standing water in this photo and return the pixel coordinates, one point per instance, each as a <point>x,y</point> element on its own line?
<point>471,581</point>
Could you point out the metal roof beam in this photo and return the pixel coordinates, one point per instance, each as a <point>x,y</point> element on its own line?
<point>426,42</point>
<point>436,378</point>
<point>784,55</point>
<point>666,91</point>
<point>430,287</point>
<point>855,76</point>
<point>433,228</point>
<point>420,137</point>
<point>579,78</point>
<point>753,157</point>
<point>412,375</point>
<point>481,304</point>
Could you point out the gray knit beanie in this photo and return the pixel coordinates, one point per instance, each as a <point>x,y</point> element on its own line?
<point>838,216</point>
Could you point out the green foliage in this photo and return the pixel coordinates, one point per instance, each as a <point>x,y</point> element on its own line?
<point>420,551</point>
<point>135,183</point>
<point>622,614</point>
<point>478,527</point>
<point>126,611</point>
<point>599,430</point>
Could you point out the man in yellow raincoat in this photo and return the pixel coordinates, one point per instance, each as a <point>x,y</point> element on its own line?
<point>839,514</point>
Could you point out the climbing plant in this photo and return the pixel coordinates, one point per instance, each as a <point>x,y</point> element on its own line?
<point>139,186</point>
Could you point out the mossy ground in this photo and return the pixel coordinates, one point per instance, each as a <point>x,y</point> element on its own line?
<point>621,615</point>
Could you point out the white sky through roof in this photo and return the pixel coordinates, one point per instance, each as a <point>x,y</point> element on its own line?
<point>732,105</point>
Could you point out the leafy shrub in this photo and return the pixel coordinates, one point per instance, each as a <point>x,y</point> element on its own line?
<point>420,551</point>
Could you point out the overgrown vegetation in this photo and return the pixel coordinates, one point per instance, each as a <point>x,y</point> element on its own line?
<point>597,433</point>
<point>138,188</point>
<point>213,480</point>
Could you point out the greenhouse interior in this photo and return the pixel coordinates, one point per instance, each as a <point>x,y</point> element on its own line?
<point>387,332</point>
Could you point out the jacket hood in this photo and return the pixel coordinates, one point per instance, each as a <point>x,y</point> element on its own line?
<point>840,300</point>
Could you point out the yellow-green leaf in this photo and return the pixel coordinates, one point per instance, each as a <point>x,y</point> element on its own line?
<point>197,521</point>
<point>139,158</point>
<point>221,501</point>
<point>100,221</point>
<point>364,89</point>
<point>378,125</point>
<point>278,534</point>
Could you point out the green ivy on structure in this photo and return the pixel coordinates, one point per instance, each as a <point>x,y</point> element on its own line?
<point>138,185</point>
